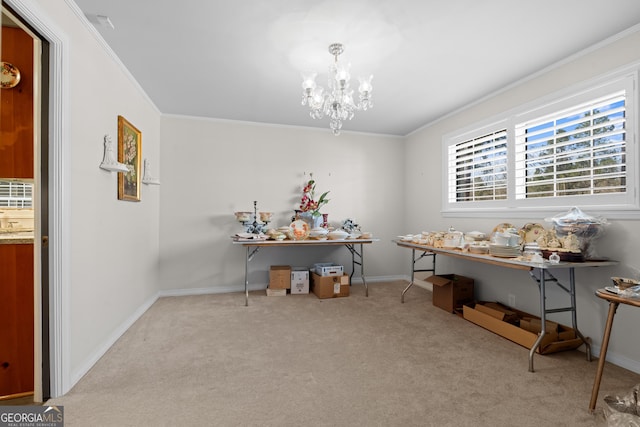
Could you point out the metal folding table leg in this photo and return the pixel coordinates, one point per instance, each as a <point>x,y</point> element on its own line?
<point>544,310</point>
<point>248,258</point>
<point>414,270</point>
<point>360,254</point>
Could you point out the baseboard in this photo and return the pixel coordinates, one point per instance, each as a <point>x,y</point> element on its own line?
<point>260,287</point>
<point>613,358</point>
<point>207,291</point>
<point>106,345</point>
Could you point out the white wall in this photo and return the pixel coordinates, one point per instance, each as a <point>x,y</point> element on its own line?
<point>213,168</point>
<point>114,244</point>
<point>423,158</point>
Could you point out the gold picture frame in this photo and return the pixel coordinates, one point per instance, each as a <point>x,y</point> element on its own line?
<point>129,153</point>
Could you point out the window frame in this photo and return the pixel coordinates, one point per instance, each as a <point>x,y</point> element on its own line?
<point>621,206</point>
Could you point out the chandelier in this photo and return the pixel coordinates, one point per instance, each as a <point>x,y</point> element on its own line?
<point>337,102</point>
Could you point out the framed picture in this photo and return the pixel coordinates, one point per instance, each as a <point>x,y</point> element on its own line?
<point>129,153</point>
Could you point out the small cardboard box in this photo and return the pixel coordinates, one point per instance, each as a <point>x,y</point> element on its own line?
<point>329,270</point>
<point>557,338</point>
<point>299,280</point>
<point>330,286</point>
<point>451,291</point>
<point>276,292</point>
<point>280,277</point>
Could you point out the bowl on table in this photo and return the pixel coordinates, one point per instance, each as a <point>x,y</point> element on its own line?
<point>318,233</point>
<point>337,235</point>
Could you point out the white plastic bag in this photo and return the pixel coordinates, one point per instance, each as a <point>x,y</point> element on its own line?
<point>623,411</point>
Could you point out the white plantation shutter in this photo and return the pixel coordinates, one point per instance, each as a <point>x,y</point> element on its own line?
<point>581,151</point>
<point>478,168</point>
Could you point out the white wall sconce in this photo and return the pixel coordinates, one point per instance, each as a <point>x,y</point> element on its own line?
<point>109,161</point>
<point>147,177</point>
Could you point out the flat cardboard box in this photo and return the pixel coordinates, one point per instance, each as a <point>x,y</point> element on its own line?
<point>451,291</point>
<point>280,277</point>
<point>564,338</point>
<point>330,286</point>
<point>299,280</point>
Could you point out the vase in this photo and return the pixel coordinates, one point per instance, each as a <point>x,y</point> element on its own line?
<point>313,221</point>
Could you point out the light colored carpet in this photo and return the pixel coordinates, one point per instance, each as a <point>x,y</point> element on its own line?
<point>355,361</point>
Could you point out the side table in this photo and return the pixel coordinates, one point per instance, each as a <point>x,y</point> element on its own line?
<point>614,301</point>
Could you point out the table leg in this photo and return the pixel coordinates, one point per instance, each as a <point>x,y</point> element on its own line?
<point>413,273</point>
<point>354,252</point>
<point>364,280</point>
<point>613,306</point>
<point>574,316</point>
<point>543,320</point>
<point>246,278</point>
<point>413,269</point>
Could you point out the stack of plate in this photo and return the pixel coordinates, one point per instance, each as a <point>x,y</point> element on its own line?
<point>504,251</point>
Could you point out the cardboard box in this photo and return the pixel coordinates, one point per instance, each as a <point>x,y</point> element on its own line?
<point>451,291</point>
<point>299,280</point>
<point>557,338</point>
<point>276,292</point>
<point>280,277</point>
<point>329,270</point>
<point>330,286</point>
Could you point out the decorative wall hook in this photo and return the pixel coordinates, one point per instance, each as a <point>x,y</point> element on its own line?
<point>148,177</point>
<point>109,161</point>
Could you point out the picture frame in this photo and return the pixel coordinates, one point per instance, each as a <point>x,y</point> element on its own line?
<point>130,154</point>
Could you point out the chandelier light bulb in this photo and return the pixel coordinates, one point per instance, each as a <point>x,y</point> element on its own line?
<point>365,85</point>
<point>342,75</point>
<point>309,81</point>
<point>337,101</point>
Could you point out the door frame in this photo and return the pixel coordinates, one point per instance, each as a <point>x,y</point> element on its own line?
<point>59,251</point>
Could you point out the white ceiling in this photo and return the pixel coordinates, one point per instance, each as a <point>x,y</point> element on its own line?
<point>242,60</point>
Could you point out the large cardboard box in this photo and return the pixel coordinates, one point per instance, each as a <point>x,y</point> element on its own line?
<point>330,286</point>
<point>451,291</point>
<point>280,277</point>
<point>299,280</point>
<point>524,330</point>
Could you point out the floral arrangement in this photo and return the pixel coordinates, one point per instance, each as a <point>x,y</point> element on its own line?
<point>308,203</point>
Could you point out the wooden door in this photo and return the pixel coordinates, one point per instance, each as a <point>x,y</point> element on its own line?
<point>17,260</point>
<point>16,319</point>
<point>16,108</point>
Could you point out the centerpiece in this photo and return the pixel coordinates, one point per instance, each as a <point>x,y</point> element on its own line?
<point>310,207</point>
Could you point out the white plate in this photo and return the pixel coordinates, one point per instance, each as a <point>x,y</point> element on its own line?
<point>9,75</point>
<point>612,289</point>
<point>300,230</point>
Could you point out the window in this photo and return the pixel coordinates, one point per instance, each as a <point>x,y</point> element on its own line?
<point>576,152</point>
<point>16,194</point>
<point>571,149</point>
<point>478,168</point>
